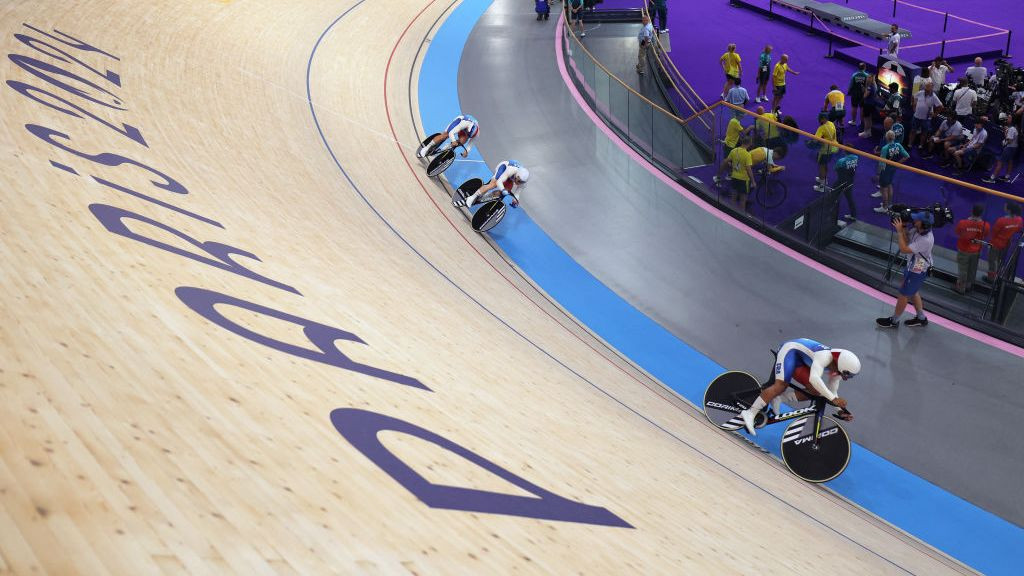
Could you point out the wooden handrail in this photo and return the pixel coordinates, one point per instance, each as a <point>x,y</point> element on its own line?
<point>677,119</point>
<point>682,96</point>
<point>679,74</point>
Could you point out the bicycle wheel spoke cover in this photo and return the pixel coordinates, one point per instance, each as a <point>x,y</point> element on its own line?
<point>470,186</point>
<point>441,163</point>
<point>488,215</point>
<point>815,463</point>
<point>429,138</point>
<point>723,398</point>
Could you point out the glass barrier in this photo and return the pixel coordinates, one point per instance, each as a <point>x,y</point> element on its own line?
<point>799,196</point>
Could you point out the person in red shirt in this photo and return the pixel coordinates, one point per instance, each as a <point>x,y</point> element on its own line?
<point>969,232</point>
<point>1002,232</point>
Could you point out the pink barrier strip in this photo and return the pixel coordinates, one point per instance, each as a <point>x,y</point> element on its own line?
<point>956,40</point>
<point>952,16</point>
<point>778,246</point>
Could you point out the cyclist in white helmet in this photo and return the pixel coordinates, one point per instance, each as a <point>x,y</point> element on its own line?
<point>459,131</point>
<point>804,362</point>
<point>510,178</point>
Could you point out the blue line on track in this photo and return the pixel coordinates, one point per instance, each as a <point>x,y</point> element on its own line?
<point>944,520</point>
<point>643,340</point>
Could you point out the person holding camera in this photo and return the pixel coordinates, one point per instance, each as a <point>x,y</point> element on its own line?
<point>916,242</point>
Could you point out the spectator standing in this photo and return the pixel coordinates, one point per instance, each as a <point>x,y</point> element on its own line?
<point>741,173</point>
<point>925,104</point>
<point>894,152</point>
<point>916,243</point>
<point>543,9</point>
<point>576,16</point>
<point>894,102</point>
<point>890,124</point>
<point>767,132</point>
<point>856,91</point>
<point>779,81</point>
<point>926,76</point>
<point>645,37</point>
<point>964,98</point>
<point>969,151</point>
<point>948,135</point>
<point>738,96</point>
<point>732,66</point>
<point>977,73</point>
<point>733,132</point>
<point>1010,139</point>
<point>871,104</point>
<point>938,70</point>
<point>827,132</point>
<point>1002,232</point>
<point>969,233</point>
<point>893,41</point>
<point>764,73</point>
<point>660,9</point>
<point>846,168</point>
<point>835,104</point>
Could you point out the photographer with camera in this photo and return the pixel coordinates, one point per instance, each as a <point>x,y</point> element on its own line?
<point>916,242</point>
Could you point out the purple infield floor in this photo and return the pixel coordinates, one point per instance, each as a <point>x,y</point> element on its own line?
<point>701,30</point>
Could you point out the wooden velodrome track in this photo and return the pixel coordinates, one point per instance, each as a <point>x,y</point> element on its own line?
<point>179,250</point>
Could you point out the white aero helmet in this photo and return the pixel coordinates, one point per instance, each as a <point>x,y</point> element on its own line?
<point>847,364</point>
<point>523,174</point>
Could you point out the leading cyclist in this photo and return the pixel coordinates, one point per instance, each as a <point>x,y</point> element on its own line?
<point>459,131</point>
<point>804,362</point>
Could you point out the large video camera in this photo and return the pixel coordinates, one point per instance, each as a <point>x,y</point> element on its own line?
<point>1000,99</point>
<point>942,214</point>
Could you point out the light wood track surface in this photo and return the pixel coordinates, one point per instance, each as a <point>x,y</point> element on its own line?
<point>138,437</point>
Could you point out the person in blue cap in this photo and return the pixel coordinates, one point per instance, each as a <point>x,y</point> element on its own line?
<point>916,243</point>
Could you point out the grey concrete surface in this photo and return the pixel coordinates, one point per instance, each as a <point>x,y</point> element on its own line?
<point>938,403</point>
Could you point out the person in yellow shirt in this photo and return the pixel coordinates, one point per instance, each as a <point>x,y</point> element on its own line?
<point>835,107</point>
<point>733,132</point>
<point>730,62</point>
<point>826,131</point>
<point>768,156</point>
<point>741,174</point>
<point>767,133</point>
<point>779,81</point>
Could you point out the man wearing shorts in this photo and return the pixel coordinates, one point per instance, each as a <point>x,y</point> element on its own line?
<point>969,151</point>
<point>730,62</point>
<point>739,163</point>
<point>764,73</point>
<point>1010,138</point>
<point>895,152</point>
<point>826,131</point>
<point>779,81</point>
<point>733,132</point>
<point>856,91</point>
<point>916,243</point>
<point>925,104</point>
